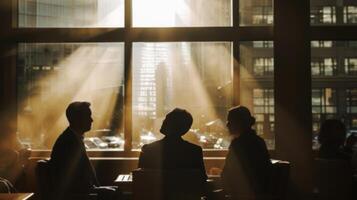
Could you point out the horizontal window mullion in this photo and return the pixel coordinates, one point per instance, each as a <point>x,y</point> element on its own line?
<point>333,33</point>
<point>200,34</point>
<point>65,35</point>
<point>138,34</point>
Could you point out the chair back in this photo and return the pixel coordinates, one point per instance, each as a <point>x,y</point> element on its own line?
<point>167,184</point>
<point>279,179</point>
<point>6,186</point>
<point>43,176</point>
<point>334,179</point>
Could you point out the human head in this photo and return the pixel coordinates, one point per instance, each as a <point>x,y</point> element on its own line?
<point>176,123</point>
<point>79,116</point>
<point>239,120</point>
<point>332,132</point>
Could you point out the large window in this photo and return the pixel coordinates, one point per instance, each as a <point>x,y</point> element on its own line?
<point>182,74</point>
<point>64,13</point>
<point>122,60</point>
<point>136,57</point>
<point>182,13</point>
<point>50,76</point>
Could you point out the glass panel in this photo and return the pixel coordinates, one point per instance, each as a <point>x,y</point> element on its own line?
<point>256,13</point>
<point>334,93</point>
<point>323,66</point>
<point>182,13</point>
<point>50,76</point>
<point>257,89</point>
<point>70,13</point>
<point>333,12</point>
<point>196,76</point>
<point>351,66</point>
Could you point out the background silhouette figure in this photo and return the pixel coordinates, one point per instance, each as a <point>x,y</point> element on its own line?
<point>247,166</point>
<point>334,173</point>
<point>332,137</point>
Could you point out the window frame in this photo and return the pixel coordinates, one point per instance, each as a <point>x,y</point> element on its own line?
<point>11,35</point>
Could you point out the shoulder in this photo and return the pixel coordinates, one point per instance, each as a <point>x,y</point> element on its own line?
<point>67,138</point>
<point>151,146</point>
<point>258,138</point>
<point>194,147</point>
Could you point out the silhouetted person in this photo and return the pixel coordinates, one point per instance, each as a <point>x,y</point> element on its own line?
<point>334,173</point>
<point>247,167</point>
<point>172,152</point>
<point>71,169</point>
<point>332,137</point>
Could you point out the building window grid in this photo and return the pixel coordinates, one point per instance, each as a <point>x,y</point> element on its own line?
<point>351,108</point>
<point>350,14</point>
<point>321,15</point>
<point>350,66</point>
<point>263,110</point>
<point>322,44</point>
<point>351,100</point>
<point>324,106</point>
<point>263,15</point>
<point>263,66</point>
<point>323,66</point>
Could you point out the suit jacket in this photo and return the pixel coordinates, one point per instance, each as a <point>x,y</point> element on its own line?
<point>70,165</point>
<point>247,168</point>
<point>172,153</point>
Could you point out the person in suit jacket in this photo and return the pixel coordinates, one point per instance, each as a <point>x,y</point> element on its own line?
<point>247,166</point>
<point>172,152</point>
<point>70,165</point>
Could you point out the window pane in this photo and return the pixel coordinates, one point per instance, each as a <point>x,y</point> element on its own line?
<point>257,89</point>
<point>182,13</point>
<point>196,76</point>
<point>256,13</point>
<point>70,13</point>
<point>50,76</point>
<point>333,12</point>
<point>334,91</point>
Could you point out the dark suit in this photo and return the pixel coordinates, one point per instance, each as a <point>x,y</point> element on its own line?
<point>172,153</point>
<point>70,165</point>
<point>247,166</point>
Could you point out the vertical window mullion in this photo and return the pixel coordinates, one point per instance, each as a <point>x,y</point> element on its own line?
<point>128,98</point>
<point>235,13</point>
<point>236,53</point>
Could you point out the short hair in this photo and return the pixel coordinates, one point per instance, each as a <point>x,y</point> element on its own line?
<point>75,110</point>
<point>180,121</point>
<point>332,131</point>
<point>241,114</point>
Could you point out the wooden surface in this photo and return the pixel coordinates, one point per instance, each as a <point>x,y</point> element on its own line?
<point>125,182</point>
<point>16,196</point>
